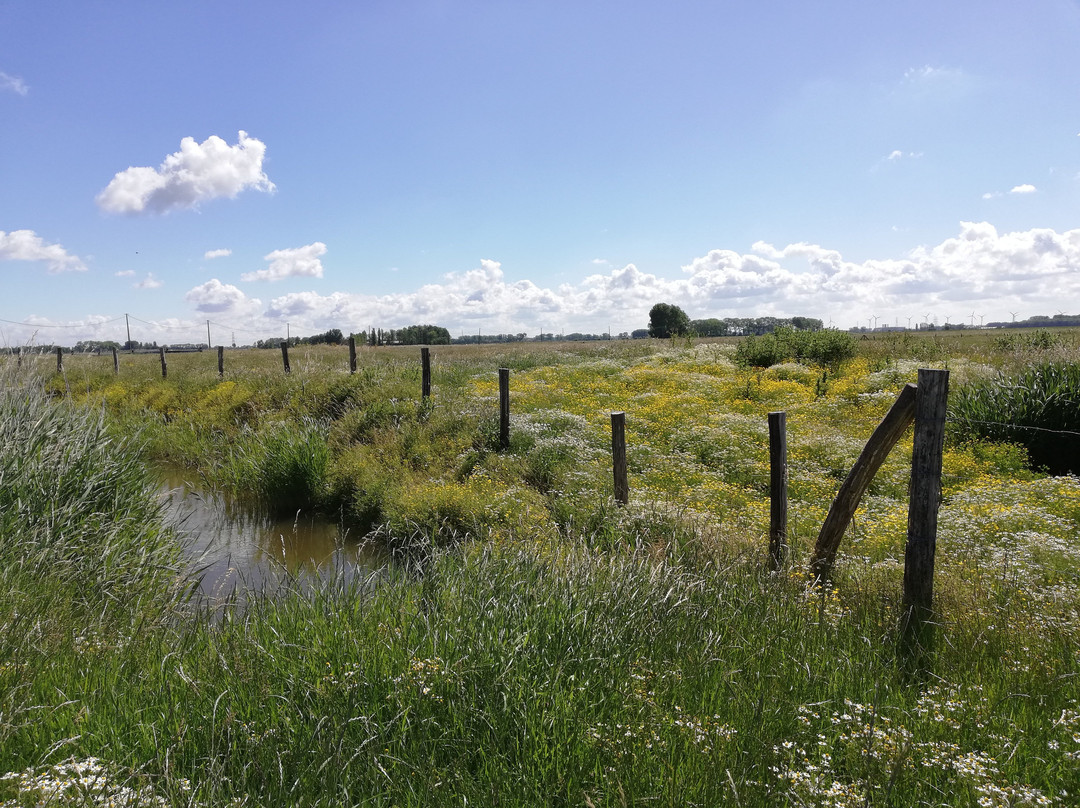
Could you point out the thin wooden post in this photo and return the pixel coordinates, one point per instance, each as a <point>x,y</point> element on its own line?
<point>221,361</point>
<point>352,354</point>
<point>618,457</point>
<point>59,360</point>
<point>504,408</point>
<point>931,405</point>
<point>115,362</point>
<point>778,490</point>
<point>164,370</point>
<point>425,375</point>
<point>888,432</point>
<point>285,356</point>
<point>18,362</point>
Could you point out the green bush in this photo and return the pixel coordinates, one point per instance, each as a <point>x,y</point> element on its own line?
<point>827,347</point>
<point>1038,408</point>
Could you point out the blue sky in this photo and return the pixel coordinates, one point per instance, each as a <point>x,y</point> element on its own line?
<point>506,167</point>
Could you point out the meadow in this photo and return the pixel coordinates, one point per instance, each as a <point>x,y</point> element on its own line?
<point>534,643</point>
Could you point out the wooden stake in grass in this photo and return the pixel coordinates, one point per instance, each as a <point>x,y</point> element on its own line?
<point>931,404</point>
<point>285,356</point>
<point>778,493</point>
<point>352,354</point>
<point>504,408</point>
<point>115,362</point>
<point>220,361</point>
<point>618,457</point>
<point>425,376</point>
<point>164,369</point>
<point>59,360</point>
<point>888,432</point>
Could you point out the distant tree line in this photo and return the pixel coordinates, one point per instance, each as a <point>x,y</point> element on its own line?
<point>668,320</point>
<point>1040,321</point>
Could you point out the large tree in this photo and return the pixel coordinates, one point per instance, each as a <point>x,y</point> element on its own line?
<point>667,320</point>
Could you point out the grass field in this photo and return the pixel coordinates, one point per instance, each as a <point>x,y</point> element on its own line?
<point>536,644</point>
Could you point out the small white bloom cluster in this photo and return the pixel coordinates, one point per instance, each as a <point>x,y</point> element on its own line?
<point>84,782</point>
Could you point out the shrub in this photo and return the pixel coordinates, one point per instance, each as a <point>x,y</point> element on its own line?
<point>826,347</point>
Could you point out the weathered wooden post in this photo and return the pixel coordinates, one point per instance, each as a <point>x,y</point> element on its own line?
<point>18,362</point>
<point>425,375</point>
<point>931,405</point>
<point>352,354</point>
<point>59,360</point>
<point>285,356</point>
<point>618,457</point>
<point>504,408</point>
<point>115,362</point>
<point>888,432</point>
<point>164,370</point>
<point>221,361</point>
<point>778,490</point>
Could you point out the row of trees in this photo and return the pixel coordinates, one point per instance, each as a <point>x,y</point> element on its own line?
<point>668,320</point>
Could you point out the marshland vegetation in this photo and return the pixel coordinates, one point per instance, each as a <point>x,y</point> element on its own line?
<point>535,644</point>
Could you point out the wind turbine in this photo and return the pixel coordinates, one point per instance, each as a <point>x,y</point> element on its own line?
<point>1013,313</point>
<point>909,323</point>
<point>972,319</point>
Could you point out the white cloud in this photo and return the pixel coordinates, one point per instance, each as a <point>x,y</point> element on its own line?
<point>1023,189</point>
<point>149,282</point>
<point>211,254</point>
<point>298,262</point>
<point>13,83</point>
<point>26,245</point>
<point>216,297</point>
<point>991,195</point>
<point>197,173</point>
<point>601,262</point>
<point>977,269</point>
<point>125,273</point>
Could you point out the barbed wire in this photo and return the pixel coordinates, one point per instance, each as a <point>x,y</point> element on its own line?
<point>1010,425</point>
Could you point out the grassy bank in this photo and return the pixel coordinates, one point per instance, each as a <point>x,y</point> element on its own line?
<point>542,646</point>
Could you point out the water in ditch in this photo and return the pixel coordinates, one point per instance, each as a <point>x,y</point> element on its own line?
<point>238,548</point>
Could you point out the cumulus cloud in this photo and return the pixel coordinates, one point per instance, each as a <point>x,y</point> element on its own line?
<point>197,173</point>
<point>26,245</point>
<point>214,297</point>
<point>1023,189</point>
<point>298,262</point>
<point>978,269</point>
<point>211,254</point>
<point>125,273</point>
<point>149,282</point>
<point>13,83</point>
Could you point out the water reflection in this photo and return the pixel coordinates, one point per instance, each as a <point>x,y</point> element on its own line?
<point>237,546</point>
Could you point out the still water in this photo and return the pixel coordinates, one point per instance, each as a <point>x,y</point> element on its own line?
<point>239,547</point>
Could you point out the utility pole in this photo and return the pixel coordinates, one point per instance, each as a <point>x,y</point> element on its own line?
<point>208,345</point>
<point>127,323</point>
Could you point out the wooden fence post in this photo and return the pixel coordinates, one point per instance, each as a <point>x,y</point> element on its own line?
<point>931,405</point>
<point>164,370</point>
<point>618,457</point>
<point>115,362</point>
<point>778,490</point>
<point>352,354</point>
<point>504,408</point>
<point>221,361</point>
<point>18,362</point>
<point>888,432</point>
<point>285,356</point>
<point>425,376</point>
<point>59,360</point>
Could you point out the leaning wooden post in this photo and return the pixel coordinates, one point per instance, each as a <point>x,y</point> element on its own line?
<point>504,408</point>
<point>352,354</point>
<point>285,356</point>
<point>931,405</point>
<point>115,362</point>
<point>778,490</point>
<point>221,361</point>
<point>425,375</point>
<point>618,457</point>
<point>18,362</point>
<point>888,432</point>
<point>59,360</point>
<point>164,370</point>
